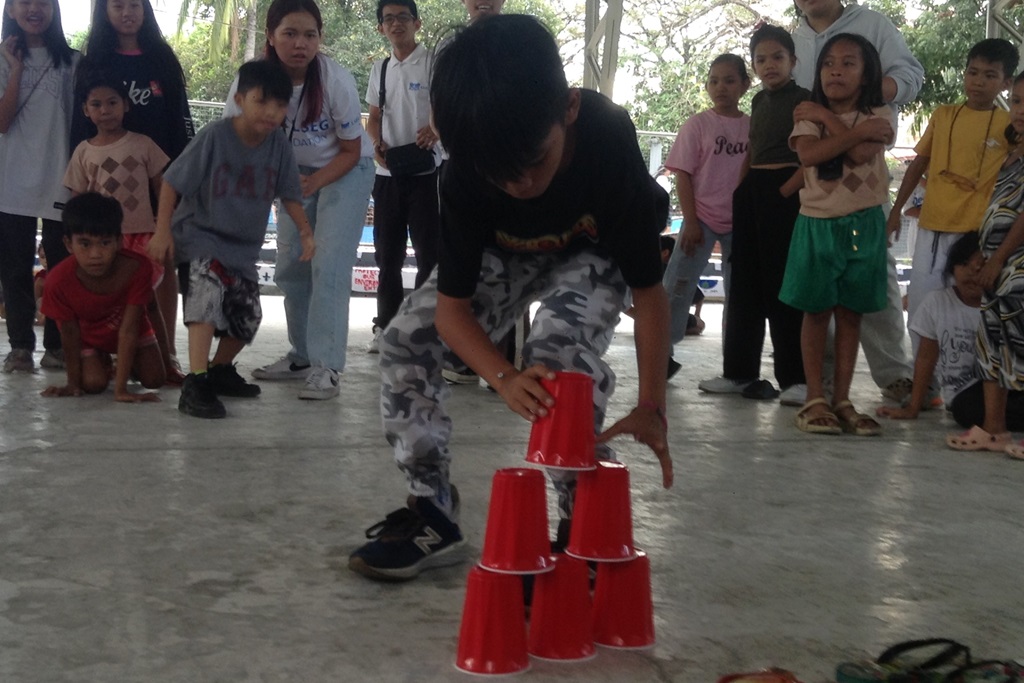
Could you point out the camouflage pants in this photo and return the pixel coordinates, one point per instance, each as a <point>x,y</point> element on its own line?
<point>580,295</point>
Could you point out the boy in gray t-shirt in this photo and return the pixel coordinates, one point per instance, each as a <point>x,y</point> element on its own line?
<point>227,178</point>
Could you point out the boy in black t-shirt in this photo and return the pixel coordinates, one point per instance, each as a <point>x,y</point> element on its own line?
<point>545,198</point>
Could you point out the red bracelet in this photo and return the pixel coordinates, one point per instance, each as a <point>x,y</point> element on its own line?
<point>651,405</point>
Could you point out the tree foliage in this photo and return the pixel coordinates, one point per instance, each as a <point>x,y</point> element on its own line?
<point>350,35</point>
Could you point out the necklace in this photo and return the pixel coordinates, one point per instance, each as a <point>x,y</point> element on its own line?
<point>963,182</point>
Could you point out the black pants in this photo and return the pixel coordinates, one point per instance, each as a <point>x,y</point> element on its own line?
<point>968,408</point>
<point>17,257</point>
<point>403,208</point>
<point>762,229</point>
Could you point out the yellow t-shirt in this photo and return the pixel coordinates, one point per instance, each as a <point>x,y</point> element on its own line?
<point>978,149</point>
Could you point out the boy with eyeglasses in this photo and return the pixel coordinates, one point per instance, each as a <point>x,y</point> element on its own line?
<point>404,203</point>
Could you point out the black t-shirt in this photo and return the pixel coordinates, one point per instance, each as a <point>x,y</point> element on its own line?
<point>771,122</point>
<point>604,199</point>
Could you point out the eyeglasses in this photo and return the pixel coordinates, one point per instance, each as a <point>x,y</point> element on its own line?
<point>391,19</point>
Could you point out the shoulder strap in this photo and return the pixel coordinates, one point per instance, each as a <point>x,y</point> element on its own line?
<point>383,89</point>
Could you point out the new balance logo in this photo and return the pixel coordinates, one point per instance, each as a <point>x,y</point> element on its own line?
<point>428,539</point>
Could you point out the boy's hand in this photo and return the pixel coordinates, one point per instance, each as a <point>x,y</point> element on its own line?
<point>426,137</point>
<point>989,273</point>
<point>125,396</point>
<point>160,247</point>
<point>893,225</point>
<point>897,412</point>
<point>647,427</point>
<point>691,238</point>
<point>57,392</point>
<point>308,246</point>
<point>524,394</point>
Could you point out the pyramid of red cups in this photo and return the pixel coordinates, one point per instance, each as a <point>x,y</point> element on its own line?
<point>566,620</point>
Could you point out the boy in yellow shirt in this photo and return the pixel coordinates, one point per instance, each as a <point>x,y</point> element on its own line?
<point>962,150</point>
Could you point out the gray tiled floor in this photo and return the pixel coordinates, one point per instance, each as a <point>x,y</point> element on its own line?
<point>141,545</point>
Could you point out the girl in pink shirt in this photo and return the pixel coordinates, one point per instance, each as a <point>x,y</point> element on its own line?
<point>707,158</point>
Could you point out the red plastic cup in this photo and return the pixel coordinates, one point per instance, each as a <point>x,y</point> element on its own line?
<point>602,519</point>
<point>492,638</point>
<point>516,540</point>
<point>564,438</point>
<point>623,610</point>
<point>561,615</point>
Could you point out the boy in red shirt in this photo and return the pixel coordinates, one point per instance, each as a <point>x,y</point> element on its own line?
<point>98,298</point>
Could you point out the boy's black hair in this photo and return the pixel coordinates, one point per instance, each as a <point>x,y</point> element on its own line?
<point>53,37</point>
<point>92,214</point>
<point>268,76</point>
<point>995,50</point>
<point>871,91</point>
<point>736,62</point>
<point>960,252</point>
<point>770,32</point>
<point>408,4</point>
<point>102,79</point>
<point>498,88</point>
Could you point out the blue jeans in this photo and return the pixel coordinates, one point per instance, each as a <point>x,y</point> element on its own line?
<point>316,293</point>
<point>683,273</point>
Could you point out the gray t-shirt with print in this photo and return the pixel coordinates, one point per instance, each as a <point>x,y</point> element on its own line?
<point>226,191</point>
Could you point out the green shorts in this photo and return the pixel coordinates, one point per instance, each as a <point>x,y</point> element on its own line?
<point>838,262</point>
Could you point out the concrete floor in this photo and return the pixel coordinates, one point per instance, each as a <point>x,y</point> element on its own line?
<point>142,545</point>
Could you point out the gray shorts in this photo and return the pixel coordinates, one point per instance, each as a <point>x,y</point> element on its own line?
<point>220,296</point>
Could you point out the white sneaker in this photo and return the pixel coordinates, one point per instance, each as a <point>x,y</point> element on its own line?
<point>794,395</point>
<point>52,360</point>
<point>722,385</point>
<point>374,345</point>
<point>19,360</point>
<point>282,369</point>
<point>322,384</point>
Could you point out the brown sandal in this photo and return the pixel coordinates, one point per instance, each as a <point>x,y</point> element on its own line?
<point>812,424</point>
<point>855,423</point>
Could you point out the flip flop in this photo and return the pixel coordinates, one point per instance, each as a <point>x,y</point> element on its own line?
<point>852,422</point>
<point>977,439</point>
<point>761,390</point>
<point>805,422</point>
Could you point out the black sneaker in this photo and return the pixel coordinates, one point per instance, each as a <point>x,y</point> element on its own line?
<point>225,381</point>
<point>408,541</point>
<point>673,367</point>
<point>198,399</point>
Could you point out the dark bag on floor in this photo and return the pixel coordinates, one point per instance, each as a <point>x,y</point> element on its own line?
<point>404,160</point>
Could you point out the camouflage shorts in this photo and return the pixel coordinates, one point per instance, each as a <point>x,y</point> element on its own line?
<point>581,296</point>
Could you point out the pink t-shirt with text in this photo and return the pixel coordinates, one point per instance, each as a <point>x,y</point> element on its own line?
<point>711,148</point>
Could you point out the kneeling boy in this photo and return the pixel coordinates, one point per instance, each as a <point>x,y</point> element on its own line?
<point>98,298</point>
<point>227,178</point>
<point>546,198</point>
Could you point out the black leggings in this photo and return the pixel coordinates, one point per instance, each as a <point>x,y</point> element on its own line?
<point>968,408</point>
<point>17,256</point>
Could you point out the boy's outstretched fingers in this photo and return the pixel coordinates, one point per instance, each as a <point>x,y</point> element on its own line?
<point>647,427</point>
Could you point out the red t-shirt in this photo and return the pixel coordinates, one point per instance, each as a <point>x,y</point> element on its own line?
<point>99,316</point>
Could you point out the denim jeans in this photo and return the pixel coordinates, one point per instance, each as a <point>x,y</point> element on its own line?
<point>316,293</point>
<point>17,258</point>
<point>683,273</point>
